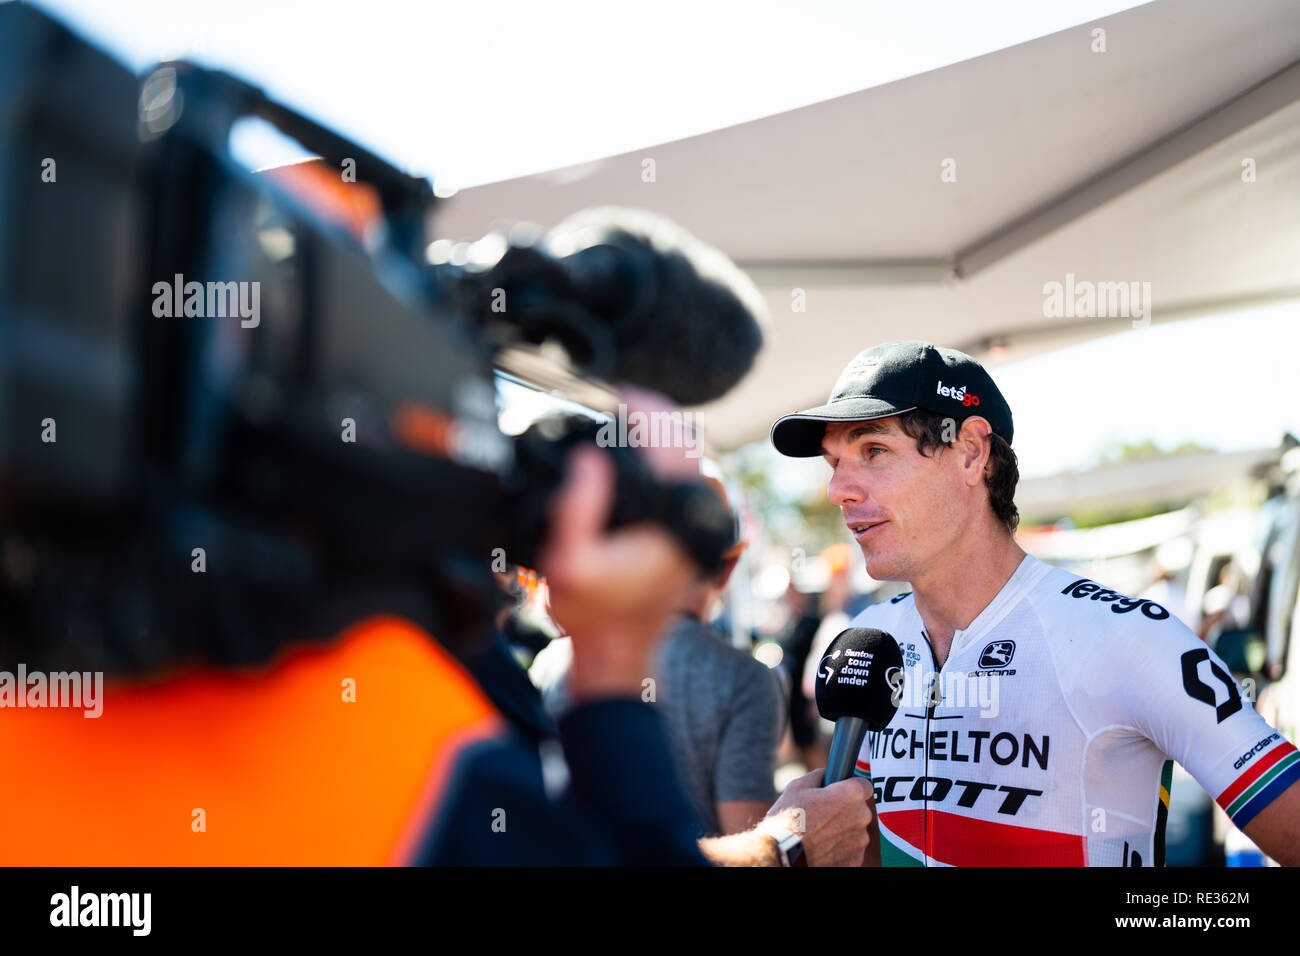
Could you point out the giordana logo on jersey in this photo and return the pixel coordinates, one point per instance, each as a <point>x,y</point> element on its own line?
<point>958,394</point>
<point>1245,758</point>
<point>997,654</point>
<point>1119,603</point>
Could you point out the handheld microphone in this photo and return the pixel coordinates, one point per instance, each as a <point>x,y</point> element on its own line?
<point>854,690</point>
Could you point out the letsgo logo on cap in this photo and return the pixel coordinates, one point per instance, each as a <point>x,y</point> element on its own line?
<point>952,391</point>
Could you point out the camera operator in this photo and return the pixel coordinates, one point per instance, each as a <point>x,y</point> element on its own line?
<point>378,747</point>
<point>251,470</point>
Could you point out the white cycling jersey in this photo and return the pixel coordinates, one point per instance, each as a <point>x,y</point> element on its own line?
<point>1047,735</point>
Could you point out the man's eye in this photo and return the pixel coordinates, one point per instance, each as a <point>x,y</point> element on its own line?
<point>873,448</point>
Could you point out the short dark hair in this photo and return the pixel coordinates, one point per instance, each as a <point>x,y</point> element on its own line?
<point>1001,475</point>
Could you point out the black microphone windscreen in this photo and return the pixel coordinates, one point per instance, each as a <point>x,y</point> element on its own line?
<point>857,676</point>
<point>699,319</point>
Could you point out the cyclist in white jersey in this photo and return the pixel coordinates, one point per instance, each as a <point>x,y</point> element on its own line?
<point>1039,712</point>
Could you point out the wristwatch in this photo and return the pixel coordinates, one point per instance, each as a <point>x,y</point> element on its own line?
<point>789,845</point>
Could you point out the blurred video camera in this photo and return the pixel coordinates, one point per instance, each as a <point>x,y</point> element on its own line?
<point>242,408</point>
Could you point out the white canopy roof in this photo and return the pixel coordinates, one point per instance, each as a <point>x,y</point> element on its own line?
<point>1172,479</point>
<point>1116,166</point>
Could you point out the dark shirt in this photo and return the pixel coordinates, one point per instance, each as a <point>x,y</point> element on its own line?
<point>623,804</point>
<point>795,647</point>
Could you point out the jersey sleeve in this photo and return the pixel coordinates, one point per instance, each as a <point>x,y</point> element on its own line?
<point>1180,695</point>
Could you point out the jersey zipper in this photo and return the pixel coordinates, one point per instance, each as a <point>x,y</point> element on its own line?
<point>925,745</point>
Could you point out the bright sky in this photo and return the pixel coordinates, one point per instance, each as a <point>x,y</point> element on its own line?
<point>480,91</point>
<point>1230,382</point>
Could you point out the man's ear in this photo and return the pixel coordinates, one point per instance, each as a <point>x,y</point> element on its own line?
<point>974,447</point>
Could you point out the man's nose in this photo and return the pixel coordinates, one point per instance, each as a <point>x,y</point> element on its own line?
<point>843,488</point>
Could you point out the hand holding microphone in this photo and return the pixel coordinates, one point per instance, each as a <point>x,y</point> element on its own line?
<point>830,823</point>
<point>821,819</point>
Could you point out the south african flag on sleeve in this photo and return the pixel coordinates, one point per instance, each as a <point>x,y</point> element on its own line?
<point>1263,780</point>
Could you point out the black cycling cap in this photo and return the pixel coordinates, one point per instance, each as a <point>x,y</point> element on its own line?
<point>892,378</point>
